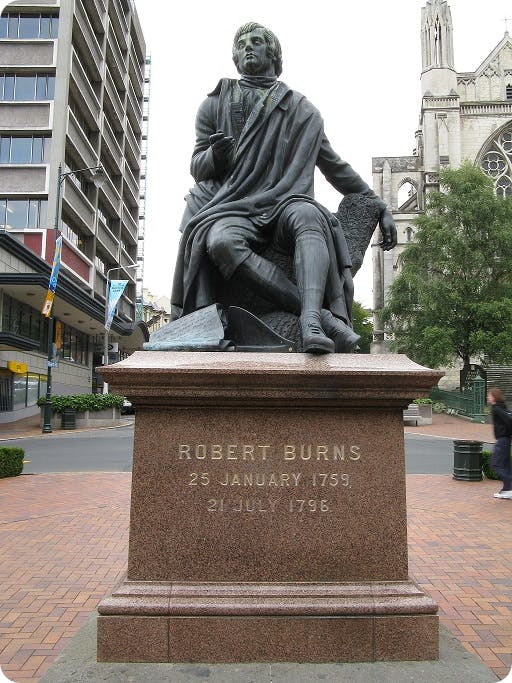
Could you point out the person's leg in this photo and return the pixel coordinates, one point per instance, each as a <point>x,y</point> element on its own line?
<point>300,231</point>
<point>500,464</point>
<point>231,248</point>
<point>271,282</point>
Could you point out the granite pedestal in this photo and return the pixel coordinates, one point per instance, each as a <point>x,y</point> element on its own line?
<point>268,512</point>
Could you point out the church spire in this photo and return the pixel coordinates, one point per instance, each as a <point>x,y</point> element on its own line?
<point>437,36</point>
<point>438,75</point>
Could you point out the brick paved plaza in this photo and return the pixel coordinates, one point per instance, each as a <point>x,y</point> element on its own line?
<point>63,540</point>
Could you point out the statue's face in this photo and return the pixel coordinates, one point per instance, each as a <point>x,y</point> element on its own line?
<point>252,54</point>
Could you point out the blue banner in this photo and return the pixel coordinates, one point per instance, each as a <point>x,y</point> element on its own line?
<point>115,292</point>
<point>52,284</point>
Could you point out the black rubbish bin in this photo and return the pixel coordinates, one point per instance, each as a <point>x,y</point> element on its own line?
<point>68,419</point>
<point>467,460</point>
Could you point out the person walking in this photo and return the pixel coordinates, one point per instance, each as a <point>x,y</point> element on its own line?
<point>500,459</point>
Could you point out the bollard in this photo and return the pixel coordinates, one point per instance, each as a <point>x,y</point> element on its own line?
<point>467,460</point>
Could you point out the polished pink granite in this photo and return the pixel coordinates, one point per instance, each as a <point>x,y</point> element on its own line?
<point>269,488</point>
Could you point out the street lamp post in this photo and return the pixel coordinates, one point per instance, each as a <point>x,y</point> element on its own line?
<point>98,177</point>
<point>107,294</point>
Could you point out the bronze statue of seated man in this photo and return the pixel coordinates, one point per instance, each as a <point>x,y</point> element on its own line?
<point>257,145</point>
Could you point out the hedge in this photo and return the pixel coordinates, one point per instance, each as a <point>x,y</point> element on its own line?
<point>83,402</point>
<point>11,461</point>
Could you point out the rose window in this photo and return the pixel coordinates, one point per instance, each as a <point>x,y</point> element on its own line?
<point>497,162</point>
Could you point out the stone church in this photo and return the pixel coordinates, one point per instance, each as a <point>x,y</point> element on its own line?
<point>464,116</point>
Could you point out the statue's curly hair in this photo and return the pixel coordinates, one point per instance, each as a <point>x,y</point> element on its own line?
<point>274,46</point>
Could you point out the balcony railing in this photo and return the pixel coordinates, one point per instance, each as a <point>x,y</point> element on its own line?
<point>134,110</point>
<point>131,147</point>
<point>88,40</point>
<point>112,144</point>
<point>79,205</point>
<point>118,22</point>
<point>116,61</point>
<point>107,239</point>
<point>80,142</point>
<point>83,88</point>
<point>132,186</point>
<point>111,195</point>
<point>136,73</point>
<point>96,10</point>
<point>100,284</point>
<point>130,224</point>
<point>113,97</point>
<point>131,273</point>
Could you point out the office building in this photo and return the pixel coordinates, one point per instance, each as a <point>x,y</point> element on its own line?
<point>73,91</point>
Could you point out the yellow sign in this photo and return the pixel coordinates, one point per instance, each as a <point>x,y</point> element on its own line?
<point>48,303</point>
<point>18,368</point>
<point>58,334</point>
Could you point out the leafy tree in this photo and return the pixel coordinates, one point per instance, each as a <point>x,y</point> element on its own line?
<point>453,296</point>
<point>363,325</point>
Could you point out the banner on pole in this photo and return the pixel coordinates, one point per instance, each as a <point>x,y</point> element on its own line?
<point>52,284</point>
<point>114,294</point>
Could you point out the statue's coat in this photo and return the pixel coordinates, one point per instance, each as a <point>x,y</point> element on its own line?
<point>277,150</point>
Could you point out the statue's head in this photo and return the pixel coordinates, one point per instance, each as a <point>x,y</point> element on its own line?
<point>273,46</point>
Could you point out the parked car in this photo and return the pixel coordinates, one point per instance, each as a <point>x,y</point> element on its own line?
<point>127,408</point>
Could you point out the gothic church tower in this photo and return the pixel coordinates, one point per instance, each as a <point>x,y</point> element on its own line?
<point>438,75</point>
<point>464,116</point>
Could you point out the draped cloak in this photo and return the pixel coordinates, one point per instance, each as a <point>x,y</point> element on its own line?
<point>277,149</point>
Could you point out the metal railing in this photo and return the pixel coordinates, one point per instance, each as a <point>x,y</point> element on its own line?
<point>469,403</point>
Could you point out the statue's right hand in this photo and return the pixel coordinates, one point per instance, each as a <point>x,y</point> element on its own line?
<point>222,145</point>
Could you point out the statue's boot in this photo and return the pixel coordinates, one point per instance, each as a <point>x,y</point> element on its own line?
<point>344,337</point>
<point>311,266</point>
<point>271,282</point>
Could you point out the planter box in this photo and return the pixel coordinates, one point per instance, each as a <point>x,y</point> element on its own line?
<point>425,410</point>
<point>98,418</point>
<point>88,418</point>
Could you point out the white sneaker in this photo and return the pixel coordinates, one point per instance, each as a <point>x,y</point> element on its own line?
<point>503,494</point>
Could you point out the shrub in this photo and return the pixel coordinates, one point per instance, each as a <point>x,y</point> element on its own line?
<point>486,469</point>
<point>11,461</point>
<point>439,407</point>
<point>82,402</point>
<point>423,401</point>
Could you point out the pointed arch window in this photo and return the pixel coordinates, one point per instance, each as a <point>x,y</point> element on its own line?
<point>497,162</point>
<point>508,92</point>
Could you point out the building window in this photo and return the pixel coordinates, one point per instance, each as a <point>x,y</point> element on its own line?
<point>19,214</point>
<point>100,265</point>
<point>24,150</point>
<point>74,236</point>
<point>75,346</point>
<point>25,321</point>
<point>497,162</point>
<point>20,391</point>
<point>22,88</point>
<point>508,92</point>
<point>29,26</point>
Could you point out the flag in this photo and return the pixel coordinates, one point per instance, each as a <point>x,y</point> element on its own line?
<point>52,284</point>
<point>114,294</point>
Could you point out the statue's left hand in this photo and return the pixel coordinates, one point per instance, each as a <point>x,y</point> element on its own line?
<point>388,230</point>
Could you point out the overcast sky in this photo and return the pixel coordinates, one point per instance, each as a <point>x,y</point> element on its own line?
<point>358,62</point>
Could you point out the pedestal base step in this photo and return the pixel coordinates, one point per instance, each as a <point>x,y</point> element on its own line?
<point>251,622</point>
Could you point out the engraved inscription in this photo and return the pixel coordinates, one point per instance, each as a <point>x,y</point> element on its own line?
<point>244,475</point>
<point>263,452</point>
<point>244,452</point>
<point>312,505</point>
<point>242,505</point>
